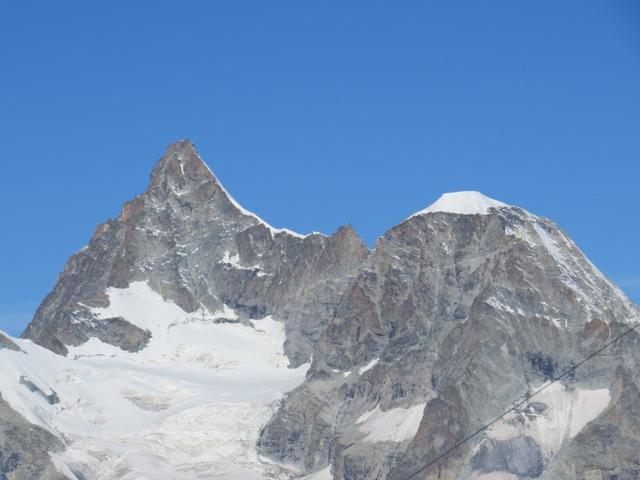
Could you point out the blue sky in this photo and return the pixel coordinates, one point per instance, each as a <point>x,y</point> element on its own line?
<point>316,114</point>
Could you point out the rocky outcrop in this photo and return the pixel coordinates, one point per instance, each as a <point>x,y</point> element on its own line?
<point>51,397</point>
<point>6,342</point>
<point>25,448</point>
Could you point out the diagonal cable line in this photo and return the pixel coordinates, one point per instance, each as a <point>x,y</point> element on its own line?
<point>526,399</point>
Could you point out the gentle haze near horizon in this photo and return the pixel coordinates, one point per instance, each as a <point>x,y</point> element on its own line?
<point>317,114</point>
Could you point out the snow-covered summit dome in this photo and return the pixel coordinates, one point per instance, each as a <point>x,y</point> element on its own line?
<point>464,203</point>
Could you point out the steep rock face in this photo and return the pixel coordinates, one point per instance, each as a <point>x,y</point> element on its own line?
<point>25,448</point>
<point>196,246</point>
<point>463,311</point>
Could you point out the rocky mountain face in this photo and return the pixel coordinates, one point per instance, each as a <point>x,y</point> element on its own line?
<point>197,247</point>
<point>24,448</point>
<point>196,316</point>
<point>460,311</point>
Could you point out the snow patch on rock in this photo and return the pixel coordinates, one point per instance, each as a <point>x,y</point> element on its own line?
<point>233,261</point>
<point>367,367</point>
<point>395,425</point>
<point>553,416</point>
<point>493,476</point>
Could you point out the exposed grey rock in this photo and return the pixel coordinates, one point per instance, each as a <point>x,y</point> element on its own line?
<point>51,398</point>
<point>117,331</point>
<point>520,456</point>
<point>24,448</point>
<point>6,342</point>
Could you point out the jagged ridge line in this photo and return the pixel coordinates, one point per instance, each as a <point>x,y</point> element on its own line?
<point>526,399</point>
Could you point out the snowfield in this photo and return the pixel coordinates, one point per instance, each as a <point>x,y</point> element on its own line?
<point>190,405</point>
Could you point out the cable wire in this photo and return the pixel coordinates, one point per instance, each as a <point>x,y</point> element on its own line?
<point>516,406</point>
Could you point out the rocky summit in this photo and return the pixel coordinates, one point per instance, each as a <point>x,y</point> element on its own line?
<point>192,340</point>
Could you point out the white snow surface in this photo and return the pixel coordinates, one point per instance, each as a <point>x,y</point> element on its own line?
<point>394,425</point>
<point>190,405</point>
<point>493,476</point>
<point>463,203</point>
<point>368,366</point>
<point>324,474</point>
<point>567,412</point>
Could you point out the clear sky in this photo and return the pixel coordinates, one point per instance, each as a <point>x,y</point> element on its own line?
<point>316,114</point>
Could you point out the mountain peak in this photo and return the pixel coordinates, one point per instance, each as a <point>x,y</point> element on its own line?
<point>179,165</point>
<point>463,203</point>
<point>181,172</point>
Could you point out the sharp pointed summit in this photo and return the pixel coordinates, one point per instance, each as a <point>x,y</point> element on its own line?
<point>180,167</point>
<point>181,173</point>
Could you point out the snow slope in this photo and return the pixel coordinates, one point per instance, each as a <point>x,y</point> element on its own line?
<point>188,406</point>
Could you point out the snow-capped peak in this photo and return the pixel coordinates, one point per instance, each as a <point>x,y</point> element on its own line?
<point>464,203</point>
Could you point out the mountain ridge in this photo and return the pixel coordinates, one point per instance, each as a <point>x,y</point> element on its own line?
<point>368,361</point>
<point>179,183</point>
